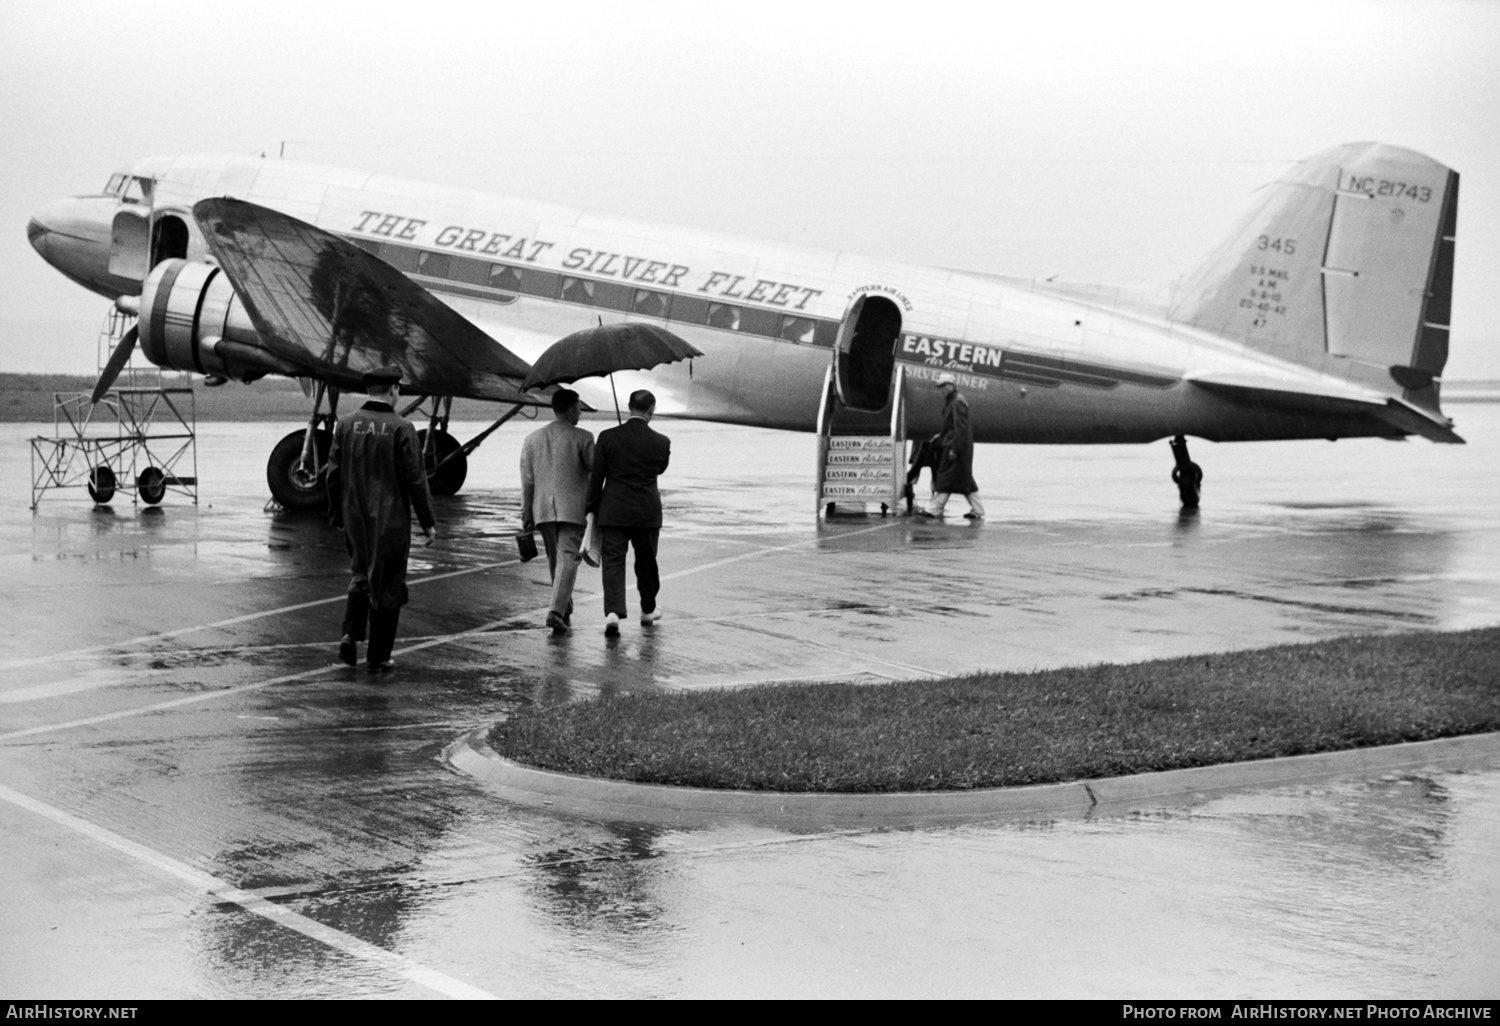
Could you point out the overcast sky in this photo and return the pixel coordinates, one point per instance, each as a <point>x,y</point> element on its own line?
<point>1110,143</point>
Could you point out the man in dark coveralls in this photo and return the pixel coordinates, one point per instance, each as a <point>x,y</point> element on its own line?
<point>955,472</point>
<point>375,477</point>
<point>627,507</point>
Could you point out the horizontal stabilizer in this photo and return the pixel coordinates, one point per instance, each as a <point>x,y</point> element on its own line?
<point>321,302</point>
<point>1410,417</point>
<point>1330,399</point>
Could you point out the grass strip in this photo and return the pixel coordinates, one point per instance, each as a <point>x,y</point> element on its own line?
<point>1001,729</point>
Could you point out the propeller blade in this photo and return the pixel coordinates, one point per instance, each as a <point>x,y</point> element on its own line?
<point>117,361</point>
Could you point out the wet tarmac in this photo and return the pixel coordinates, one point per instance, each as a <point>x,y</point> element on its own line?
<point>195,802</point>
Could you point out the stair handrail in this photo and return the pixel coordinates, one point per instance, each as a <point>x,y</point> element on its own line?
<point>898,435</point>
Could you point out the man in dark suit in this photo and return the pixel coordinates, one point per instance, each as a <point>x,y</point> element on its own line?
<point>627,507</point>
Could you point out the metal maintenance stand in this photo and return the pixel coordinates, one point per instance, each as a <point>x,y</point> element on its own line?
<point>139,438</point>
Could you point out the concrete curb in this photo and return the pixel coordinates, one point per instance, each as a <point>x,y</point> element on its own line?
<point>622,801</point>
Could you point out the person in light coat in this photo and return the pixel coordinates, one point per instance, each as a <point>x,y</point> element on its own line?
<point>555,465</point>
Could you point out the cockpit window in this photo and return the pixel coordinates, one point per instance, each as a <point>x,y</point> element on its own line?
<point>137,190</point>
<point>130,188</point>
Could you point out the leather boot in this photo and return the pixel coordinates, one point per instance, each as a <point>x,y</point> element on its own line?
<point>356,612</point>
<point>382,638</point>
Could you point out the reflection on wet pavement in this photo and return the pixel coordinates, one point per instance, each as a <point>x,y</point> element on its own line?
<point>157,632</point>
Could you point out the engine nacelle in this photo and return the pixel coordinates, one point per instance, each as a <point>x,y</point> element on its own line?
<point>192,320</point>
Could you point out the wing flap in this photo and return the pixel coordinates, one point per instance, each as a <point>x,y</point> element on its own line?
<point>324,303</point>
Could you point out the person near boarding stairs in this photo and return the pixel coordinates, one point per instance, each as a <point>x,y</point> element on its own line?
<point>955,472</point>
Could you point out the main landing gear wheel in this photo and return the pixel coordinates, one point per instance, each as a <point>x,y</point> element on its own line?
<point>295,483</point>
<point>151,486</point>
<point>448,478</point>
<point>102,484</point>
<point>1186,475</point>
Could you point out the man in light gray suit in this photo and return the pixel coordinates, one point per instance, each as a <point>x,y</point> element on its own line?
<point>555,465</point>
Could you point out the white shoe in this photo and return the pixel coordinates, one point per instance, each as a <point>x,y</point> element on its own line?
<point>652,616</point>
<point>611,625</point>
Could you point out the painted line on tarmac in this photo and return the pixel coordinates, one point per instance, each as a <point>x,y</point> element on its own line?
<point>221,890</point>
<point>738,621</point>
<point>56,689</point>
<point>775,548</point>
<point>444,639</point>
<point>43,690</point>
<point>202,696</point>
<point>91,682</point>
<point>209,696</point>
<point>94,681</point>
<point>920,671</point>
<point>244,618</point>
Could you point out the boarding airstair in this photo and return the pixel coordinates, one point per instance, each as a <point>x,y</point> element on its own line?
<point>140,438</point>
<point>861,453</point>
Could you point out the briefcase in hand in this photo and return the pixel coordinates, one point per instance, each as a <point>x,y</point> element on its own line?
<point>593,537</point>
<point>526,545</point>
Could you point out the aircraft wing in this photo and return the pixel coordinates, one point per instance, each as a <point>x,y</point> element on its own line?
<point>1298,395</point>
<point>325,304</point>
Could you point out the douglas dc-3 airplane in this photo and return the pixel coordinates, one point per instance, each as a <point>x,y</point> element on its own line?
<point>1323,314</point>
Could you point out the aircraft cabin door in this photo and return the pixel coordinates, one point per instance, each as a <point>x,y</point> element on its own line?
<point>129,246</point>
<point>169,239</point>
<point>865,353</point>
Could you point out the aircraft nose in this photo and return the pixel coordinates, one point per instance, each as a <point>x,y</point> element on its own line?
<point>73,235</point>
<point>36,234</point>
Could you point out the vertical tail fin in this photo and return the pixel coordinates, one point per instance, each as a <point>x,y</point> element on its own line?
<point>1345,265</point>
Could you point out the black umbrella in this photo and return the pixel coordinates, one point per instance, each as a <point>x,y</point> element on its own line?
<point>595,352</point>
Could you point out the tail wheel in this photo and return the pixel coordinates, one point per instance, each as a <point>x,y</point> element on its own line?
<point>1189,482</point>
<point>297,483</point>
<point>1186,475</point>
<point>444,478</point>
<point>102,484</point>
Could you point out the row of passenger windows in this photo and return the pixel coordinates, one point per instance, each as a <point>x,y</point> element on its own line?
<point>609,295</point>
